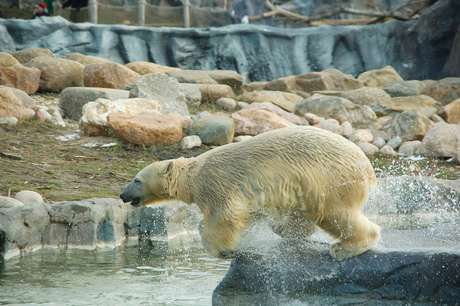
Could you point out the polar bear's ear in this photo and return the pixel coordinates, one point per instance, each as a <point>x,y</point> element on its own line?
<point>167,168</point>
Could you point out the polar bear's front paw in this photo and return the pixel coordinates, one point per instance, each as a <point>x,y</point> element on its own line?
<point>339,253</point>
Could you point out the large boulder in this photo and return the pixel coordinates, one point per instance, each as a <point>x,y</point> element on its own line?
<point>213,129</point>
<point>109,75</point>
<point>7,60</point>
<point>411,266</point>
<point>404,88</point>
<point>451,112</point>
<point>165,90</point>
<point>379,77</point>
<point>257,121</point>
<point>12,106</point>
<point>85,59</point>
<point>191,76</point>
<point>443,140</point>
<point>406,103</point>
<point>20,77</point>
<point>24,56</point>
<point>57,73</point>
<point>282,99</point>
<point>409,125</point>
<point>144,68</point>
<point>359,116</point>
<point>94,122</point>
<point>320,105</point>
<point>268,106</point>
<point>444,91</point>
<point>72,99</point>
<point>146,129</point>
<point>362,96</point>
<point>228,77</point>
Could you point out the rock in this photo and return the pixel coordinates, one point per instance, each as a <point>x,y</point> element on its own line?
<point>320,105</point>
<point>362,96</point>
<point>342,81</point>
<point>10,121</point>
<point>186,122</point>
<point>25,56</point>
<point>144,68</point>
<point>226,103</point>
<point>7,202</point>
<point>331,125</point>
<point>41,113</point>
<point>228,77</point>
<point>387,150</point>
<point>191,76</point>
<point>72,99</point>
<point>20,77</point>
<point>242,138</point>
<point>109,75</point>
<point>444,91</point>
<point>146,129</point>
<point>314,81</point>
<point>242,104</point>
<point>401,104</point>
<point>347,129</point>
<point>190,142</point>
<point>436,118</point>
<point>85,59</point>
<point>409,125</point>
<point>94,119</point>
<point>29,197</point>
<point>40,117</point>
<point>361,136</point>
<point>57,73</point>
<point>210,93</point>
<point>379,142</point>
<point>404,88</point>
<point>395,142</point>
<point>25,98</point>
<point>192,94</point>
<point>368,148</point>
<point>359,116</point>
<point>253,86</point>
<point>257,121</point>
<point>214,129</point>
<point>163,89</point>
<point>441,141</point>
<point>409,148</point>
<point>284,100</point>
<point>379,77</point>
<point>268,106</point>
<point>312,118</point>
<point>451,112</point>
<point>394,272</point>
<point>56,118</point>
<point>11,105</point>
<point>7,60</point>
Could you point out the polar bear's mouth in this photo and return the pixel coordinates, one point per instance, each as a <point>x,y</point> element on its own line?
<point>136,201</point>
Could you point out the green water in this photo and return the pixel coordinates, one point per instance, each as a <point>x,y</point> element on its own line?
<point>126,276</point>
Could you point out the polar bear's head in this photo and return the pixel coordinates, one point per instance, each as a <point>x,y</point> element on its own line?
<point>149,185</point>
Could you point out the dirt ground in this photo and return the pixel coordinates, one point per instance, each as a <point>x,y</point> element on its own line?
<point>33,158</point>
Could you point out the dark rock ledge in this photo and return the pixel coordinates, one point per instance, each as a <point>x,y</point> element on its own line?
<point>420,267</point>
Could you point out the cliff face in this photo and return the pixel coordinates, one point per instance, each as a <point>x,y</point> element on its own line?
<point>258,52</point>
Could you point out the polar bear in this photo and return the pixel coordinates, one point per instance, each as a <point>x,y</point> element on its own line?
<point>308,176</point>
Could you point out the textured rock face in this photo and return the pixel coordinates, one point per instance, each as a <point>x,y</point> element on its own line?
<point>351,50</point>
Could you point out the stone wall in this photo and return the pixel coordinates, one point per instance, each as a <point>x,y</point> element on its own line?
<point>416,49</point>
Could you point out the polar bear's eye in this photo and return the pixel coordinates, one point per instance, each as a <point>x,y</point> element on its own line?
<point>136,180</point>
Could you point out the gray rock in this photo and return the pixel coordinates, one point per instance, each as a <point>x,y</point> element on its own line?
<point>405,267</point>
<point>226,103</point>
<point>320,105</point>
<point>192,94</point>
<point>387,150</point>
<point>164,89</point>
<point>190,142</point>
<point>409,148</point>
<point>379,142</point>
<point>404,88</point>
<point>368,148</point>
<point>72,99</point>
<point>214,129</point>
<point>441,141</point>
<point>395,142</point>
<point>29,197</point>
<point>7,202</point>
<point>409,125</point>
<point>331,125</point>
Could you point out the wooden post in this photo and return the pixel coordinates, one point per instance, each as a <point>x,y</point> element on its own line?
<point>186,13</point>
<point>141,13</point>
<point>93,11</point>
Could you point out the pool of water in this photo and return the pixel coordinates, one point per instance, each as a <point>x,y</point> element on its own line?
<point>126,276</point>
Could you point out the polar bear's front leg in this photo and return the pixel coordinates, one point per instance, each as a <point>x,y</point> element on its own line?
<point>221,233</point>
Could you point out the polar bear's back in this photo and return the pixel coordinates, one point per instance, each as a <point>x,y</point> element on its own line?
<point>296,168</point>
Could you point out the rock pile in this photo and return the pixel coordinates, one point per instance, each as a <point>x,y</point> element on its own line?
<point>378,110</point>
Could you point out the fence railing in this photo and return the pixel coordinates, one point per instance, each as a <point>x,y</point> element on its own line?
<point>145,14</point>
